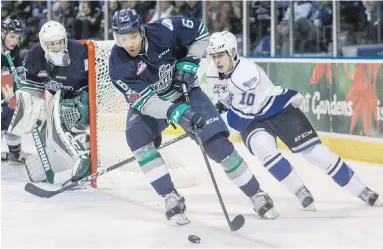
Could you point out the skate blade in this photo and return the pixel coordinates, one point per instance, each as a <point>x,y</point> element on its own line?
<point>378,203</point>
<point>310,208</point>
<point>180,219</point>
<point>271,214</point>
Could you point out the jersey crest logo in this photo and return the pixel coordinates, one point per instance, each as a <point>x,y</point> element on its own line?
<point>168,23</point>
<point>141,67</point>
<point>165,78</point>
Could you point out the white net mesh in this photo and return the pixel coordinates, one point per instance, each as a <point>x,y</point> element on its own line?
<point>112,148</point>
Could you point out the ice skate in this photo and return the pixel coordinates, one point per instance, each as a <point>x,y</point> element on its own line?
<point>306,199</point>
<point>370,197</point>
<point>175,208</point>
<point>264,206</point>
<point>18,157</point>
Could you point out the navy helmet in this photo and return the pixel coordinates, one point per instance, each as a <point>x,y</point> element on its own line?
<point>10,25</point>
<point>126,21</point>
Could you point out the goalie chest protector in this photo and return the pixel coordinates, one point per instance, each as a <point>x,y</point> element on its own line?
<point>70,79</point>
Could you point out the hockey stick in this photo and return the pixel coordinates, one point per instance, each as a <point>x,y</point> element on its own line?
<point>238,220</point>
<point>33,189</point>
<point>35,131</point>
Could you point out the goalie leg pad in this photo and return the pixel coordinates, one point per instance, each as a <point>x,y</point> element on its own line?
<point>64,150</point>
<point>29,109</point>
<point>35,169</point>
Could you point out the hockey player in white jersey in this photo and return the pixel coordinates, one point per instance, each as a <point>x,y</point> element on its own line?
<point>261,112</point>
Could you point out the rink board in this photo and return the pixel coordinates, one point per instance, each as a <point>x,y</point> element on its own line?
<point>348,147</point>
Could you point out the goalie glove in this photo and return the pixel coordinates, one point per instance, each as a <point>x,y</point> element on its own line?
<point>186,72</point>
<point>30,108</point>
<point>74,113</point>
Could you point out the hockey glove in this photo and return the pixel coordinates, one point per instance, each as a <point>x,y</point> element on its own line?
<point>183,115</point>
<point>221,108</point>
<point>186,72</point>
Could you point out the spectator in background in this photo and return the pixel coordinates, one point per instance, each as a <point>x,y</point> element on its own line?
<point>31,35</point>
<point>39,10</point>
<point>145,9</point>
<point>305,31</point>
<point>193,9</point>
<point>20,10</point>
<point>218,15</point>
<point>88,21</point>
<point>113,7</point>
<point>166,8</point>
<point>66,16</point>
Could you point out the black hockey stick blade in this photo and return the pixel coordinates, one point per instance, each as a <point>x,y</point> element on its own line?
<point>237,222</point>
<point>33,189</point>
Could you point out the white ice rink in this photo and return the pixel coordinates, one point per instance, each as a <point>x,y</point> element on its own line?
<point>123,217</point>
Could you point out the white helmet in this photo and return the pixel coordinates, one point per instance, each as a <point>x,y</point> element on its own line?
<point>221,42</point>
<point>54,41</point>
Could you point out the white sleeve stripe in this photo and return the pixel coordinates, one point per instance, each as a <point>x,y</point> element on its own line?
<point>201,37</point>
<point>200,26</point>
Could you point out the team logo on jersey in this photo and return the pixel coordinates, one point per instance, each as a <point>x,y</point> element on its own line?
<point>132,96</point>
<point>54,86</point>
<point>165,77</point>
<point>141,67</point>
<point>223,93</point>
<point>42,74</point>
<point>163,53</point>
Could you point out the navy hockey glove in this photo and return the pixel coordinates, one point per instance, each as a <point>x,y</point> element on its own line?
<point>221,108</point>
<point>183,115</point>
<point>186,72</point>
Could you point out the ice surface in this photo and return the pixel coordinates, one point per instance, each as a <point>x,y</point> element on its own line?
<point>126,217</point>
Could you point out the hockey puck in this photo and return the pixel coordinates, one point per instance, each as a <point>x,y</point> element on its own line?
<point>194,239</point>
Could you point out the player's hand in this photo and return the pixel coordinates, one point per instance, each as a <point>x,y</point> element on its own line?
<point>183,115</point>
<point>221,108</point>
<point>186,72</point>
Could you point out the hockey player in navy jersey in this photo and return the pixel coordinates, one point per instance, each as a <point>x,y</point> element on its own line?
<point>261,111</point>
<point>149,64</point>
<point>11,35</point>
<point>59,66</point>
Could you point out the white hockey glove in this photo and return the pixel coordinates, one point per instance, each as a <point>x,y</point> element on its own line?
<point>29,110</point>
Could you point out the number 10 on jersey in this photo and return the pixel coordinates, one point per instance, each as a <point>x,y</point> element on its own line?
<point>247,99</point>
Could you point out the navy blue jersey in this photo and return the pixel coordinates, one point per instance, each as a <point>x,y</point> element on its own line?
<point>70,79</point>
<point>152,72</point>
<point>15,55</point>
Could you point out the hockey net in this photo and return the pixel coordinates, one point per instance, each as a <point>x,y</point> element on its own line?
<point>108,111</point>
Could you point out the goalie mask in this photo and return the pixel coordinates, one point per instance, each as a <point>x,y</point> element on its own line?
<point>54,41</point>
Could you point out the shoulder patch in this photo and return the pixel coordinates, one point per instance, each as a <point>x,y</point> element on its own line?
<point>250,83</point>
<point>168,23</point>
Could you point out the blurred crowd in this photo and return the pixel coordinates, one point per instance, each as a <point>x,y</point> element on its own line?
<point>359,20</point>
